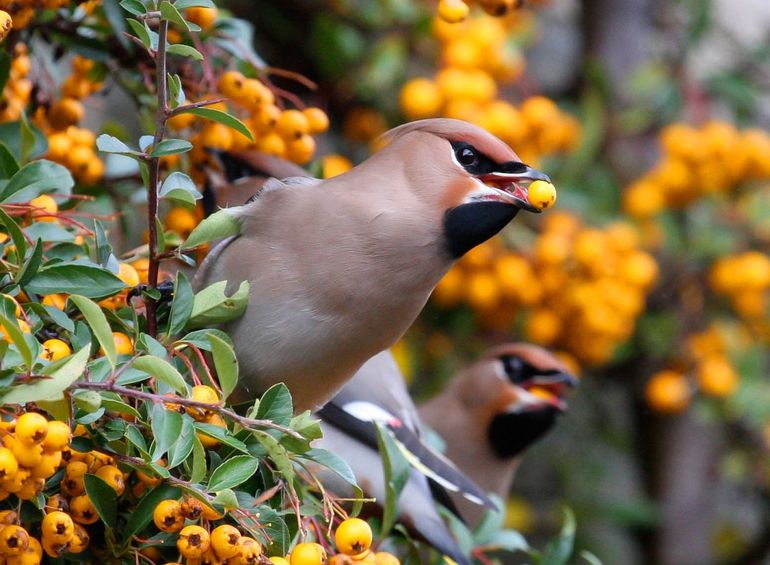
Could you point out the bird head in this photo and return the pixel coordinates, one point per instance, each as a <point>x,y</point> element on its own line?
<point>475,179</point>
<point>520,390</point>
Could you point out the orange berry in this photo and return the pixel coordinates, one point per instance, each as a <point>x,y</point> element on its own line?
<point>44,206</point>
<point>224,541</point>
<point>83,510</point>
<point>231,83</point>
<point>55,349</point>
<point>308,554</point>
<point>14,540</point>
<point>113,476</point>
<point>421,98</point>
<point>193,542</point>
<point>301,149</point>
<point>180,220</point>
<point>31,428</point>
<point>66,112</point>
<point>541,194</point>
<point>668,392</point>
<point>716,376</point>
<point>168,516</point>
<point>452,11</point>
<point>204,17</point>
<point>123,344</point>
<point>292,124</point>
<point>318,121</point>
<point>58,527</point>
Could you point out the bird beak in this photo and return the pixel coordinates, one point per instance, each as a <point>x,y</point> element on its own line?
<point>510,183</point>
<point>550,388</point>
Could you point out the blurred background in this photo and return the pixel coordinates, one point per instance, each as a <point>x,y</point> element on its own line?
<point>650,277</point>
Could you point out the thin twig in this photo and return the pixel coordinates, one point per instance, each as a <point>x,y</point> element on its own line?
<point>250,424</point>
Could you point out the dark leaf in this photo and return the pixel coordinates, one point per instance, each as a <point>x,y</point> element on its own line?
<point>103,497</point>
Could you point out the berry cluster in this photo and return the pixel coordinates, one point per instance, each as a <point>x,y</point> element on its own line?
<point>581,288</point>
<point>18,89</point>
<point>696,162</point>
<point>476,58</point>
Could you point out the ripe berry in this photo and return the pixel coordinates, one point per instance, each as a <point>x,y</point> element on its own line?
<point>8,463</point>
<point>353,536</point>
<point>308,554</point>
<point>72,484</point>
<point>14,540</point>
<point>668,391</point>
<point>193,542</point>
<point>249,551</point>
<point>58,527</point>
<point>55,349</point>
<point>79,541</point>
<point>31,428</point>
<point>83,510</point>
<point>202,393</point>
<point>452,11</point>
<point>168,516</point>
<point>113,477</point>
<point>224,540</point>
<point>28,455</point>
<point>541,194</point>
<point>292,124</point>
<point>192,508</point>
<point>318,121</point>
<point>59,436</point>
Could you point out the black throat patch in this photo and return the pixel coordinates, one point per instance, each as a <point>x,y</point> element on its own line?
<point>468,225</point>
<point>510,434</point>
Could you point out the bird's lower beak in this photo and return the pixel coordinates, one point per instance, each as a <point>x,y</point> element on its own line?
<point>512,181</point>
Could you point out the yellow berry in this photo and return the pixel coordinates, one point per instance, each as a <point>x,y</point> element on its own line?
<point>83,510</point>
<point>206,394</point>
<point>59,435</point>
<point>168,516</point>
<point>48,465</point>
<point>123,343</point>
<point>308,554</point>
<point>55,349</point>
<point>353,536</point>
<point>66,112</point>
<point>385,558</point>
<point>301,149</point>
<point>79,541</point>
<point>181,220</point>
<point>318,121</point>
<point>193,542</point>
<point>72,483</point>
<point>279,560</point>
<point>224,541</point>
<point>58,527</point>
<point>8,463</point>
<point>192,508</point>
<point>541,194</point>
<point>292,124</point>
<point>231,83</point>
<point>57,502</point>
<point>113,476</point>
<point>204,17</point>
<point>6,23</point>
<point>31,428</point>
<point>716,376</point>
<point>14,540</point>
<point>421,98</point>
<point>452,11</point>
<point>249,551</point>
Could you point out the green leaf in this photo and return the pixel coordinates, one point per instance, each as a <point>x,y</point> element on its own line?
<point>212,306</point>
<point>226,365</point>
<point>179,186</point>
<point>35,178</point>
<point>15,232</point>
<point>232,472</point>
<point>61,374</point>
<point>200,338</point>
<point>171,147</point>
<point>166,427</point>
<point>223,118</point>
<point>142,32</point>
<point>183,446</point>
<point>110,144</point>
<point>9,166</point>
<point>218,225</point>
<point>509,540</point>
<point>103,497</point>
<point>277,454</point>
<point>170,13</point>
<point>28,138</point>
<point>31,265</point>
<point>49,232</point>
<point>17,336</point>
<point>175,90</point>
<point>134,6</point>
<point>396,470</point>
<point>491,523</point>
<point>12,134</point>
<point>163,371</point>
<point>114,405</point>
<point>222,435</point>
<point>226,499</point>
<point>333,462</point>
<point>117,21</point>
<point>88,280</point>
<point>276,405</point>
<point>184,4</point>
<point>182,305</point>
<point>103,247</point>
<point>198,471</point>
<point>142,514</point>
<point>100,328</point>
<point>559,550</point>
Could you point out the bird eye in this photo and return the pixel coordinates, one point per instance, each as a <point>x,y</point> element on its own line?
<point>466,156</point>
<point>514,367</point>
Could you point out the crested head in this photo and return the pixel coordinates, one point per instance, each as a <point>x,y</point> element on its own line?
<point>457,130</point>
<point>474,179</point>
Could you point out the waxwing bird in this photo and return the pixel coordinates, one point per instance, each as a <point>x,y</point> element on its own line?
<point>340,268</point>
<point>377,392</point>
<point>494,409</point>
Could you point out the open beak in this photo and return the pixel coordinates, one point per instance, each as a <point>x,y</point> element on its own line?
<point>551,388</point>
<point>510,183</point>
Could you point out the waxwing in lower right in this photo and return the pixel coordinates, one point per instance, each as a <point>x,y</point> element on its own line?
<point>493,410</point>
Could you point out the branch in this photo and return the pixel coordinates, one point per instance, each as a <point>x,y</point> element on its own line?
<point>251,424</point>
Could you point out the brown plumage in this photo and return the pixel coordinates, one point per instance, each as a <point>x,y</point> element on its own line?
<point>494,409</point>
<point>340,268</point>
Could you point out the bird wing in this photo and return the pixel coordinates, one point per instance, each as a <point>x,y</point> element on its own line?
<point>357,418</point>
